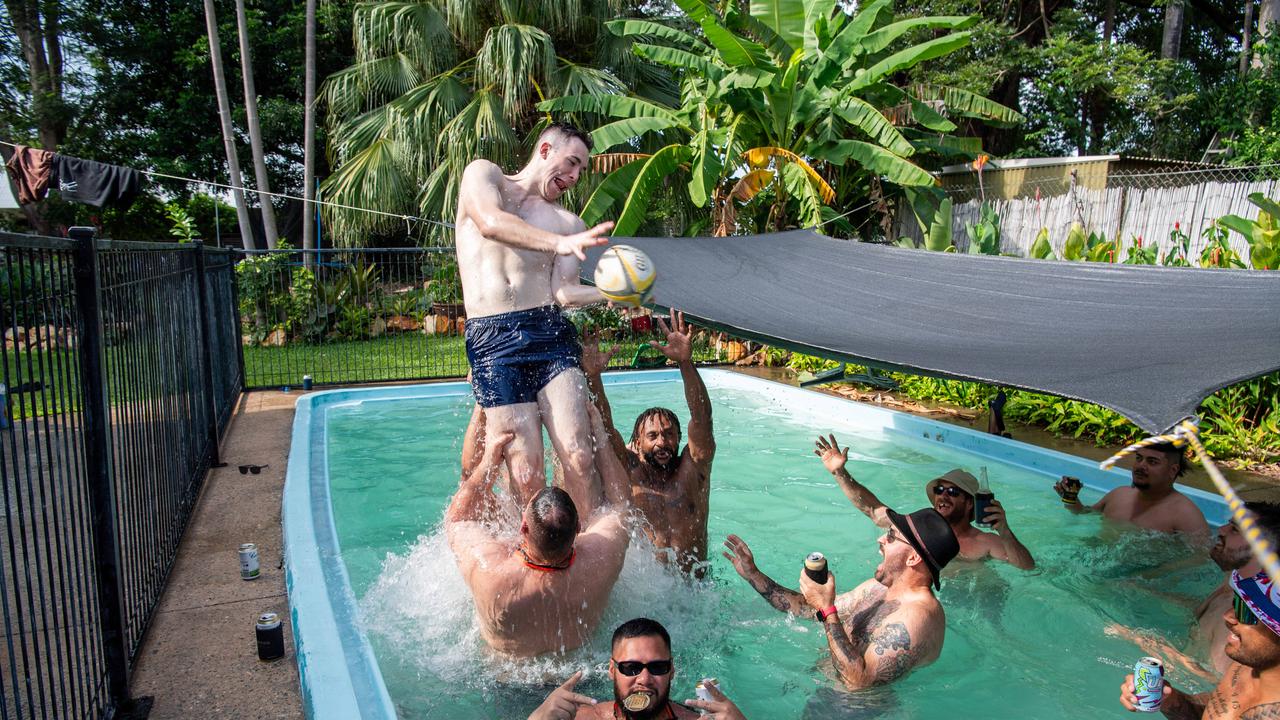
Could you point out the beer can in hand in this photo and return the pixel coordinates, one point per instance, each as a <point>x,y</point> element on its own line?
<point>815,566</point>
<point>701,689</point>
<point>1148,684</point>
<point>270,637</point>
<point>249,562</point>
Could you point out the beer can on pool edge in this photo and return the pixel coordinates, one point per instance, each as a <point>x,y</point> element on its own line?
<point>1148,684</point>
<point>270,637</point>
<point>249,562</point>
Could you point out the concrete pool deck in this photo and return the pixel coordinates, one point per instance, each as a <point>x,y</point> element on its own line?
<point>199,657</point>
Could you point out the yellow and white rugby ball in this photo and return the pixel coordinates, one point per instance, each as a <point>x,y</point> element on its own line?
<point>625,275</point>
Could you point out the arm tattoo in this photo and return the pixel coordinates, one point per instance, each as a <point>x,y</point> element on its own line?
<point>788,601</point>
<point>1270,711</point>
<point>888,639</point>
<point>1188,707</point>
<point>842,648</point>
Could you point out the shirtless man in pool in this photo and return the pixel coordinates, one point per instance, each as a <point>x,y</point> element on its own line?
<point>518,257</point>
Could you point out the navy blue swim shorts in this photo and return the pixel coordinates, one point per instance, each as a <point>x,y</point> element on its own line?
<point>514,355</point>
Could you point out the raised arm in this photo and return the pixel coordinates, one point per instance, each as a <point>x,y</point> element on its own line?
<point>1010,548</point>
<point>594,362</point>
<point>475,500</point>
<point>482,202</point>
<point>834,459</point>
<point>788,601</point>
<point>566,285</point>
<point>614,480</point>
<point>889,649</point>
<point>473,442</point>
<point>679,349</point>
<point>1068,489</point>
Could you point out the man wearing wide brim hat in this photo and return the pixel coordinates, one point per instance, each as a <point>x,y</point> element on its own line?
<point>952,495</point>
<point>1250,688</point>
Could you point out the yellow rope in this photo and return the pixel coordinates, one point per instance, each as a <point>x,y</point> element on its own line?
<point>1186,433</point>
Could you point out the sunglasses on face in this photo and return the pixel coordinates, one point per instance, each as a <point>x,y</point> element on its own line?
<point>252,469</point>
<point>632,668</point>
<point>949,491</point>
<point>1244,614</point>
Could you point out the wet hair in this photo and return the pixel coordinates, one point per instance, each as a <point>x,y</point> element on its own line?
<point>640,627</point>
<point>654,412</point>
<point>558,132</point>
<point>1268,517</point>
<point>553,522</point>
<point>1171,450</point>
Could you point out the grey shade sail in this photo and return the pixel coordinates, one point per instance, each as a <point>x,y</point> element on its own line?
<point>1147,342</point>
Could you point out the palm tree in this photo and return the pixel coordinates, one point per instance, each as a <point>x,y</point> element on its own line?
<point>228,135</point>
<point>255,129</point>
<point>794,104</point>
<point>438,83</point>
<point>309,135</point>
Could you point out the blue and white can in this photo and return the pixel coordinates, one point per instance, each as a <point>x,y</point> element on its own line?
<point>1148,684</point>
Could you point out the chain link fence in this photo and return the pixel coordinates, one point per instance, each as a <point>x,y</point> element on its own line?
<point>1127,205</point>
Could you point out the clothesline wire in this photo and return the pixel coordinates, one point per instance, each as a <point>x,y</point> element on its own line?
<point>325,203</point>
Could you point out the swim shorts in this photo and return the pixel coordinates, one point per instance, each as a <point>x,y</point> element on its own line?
<point>514,355</point>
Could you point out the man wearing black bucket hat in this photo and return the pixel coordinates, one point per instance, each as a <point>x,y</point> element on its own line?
<point>888,625</point>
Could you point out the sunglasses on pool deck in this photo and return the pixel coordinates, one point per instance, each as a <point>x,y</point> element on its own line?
<point>252,469</point>
<point>1244,613</point>
<point>950,490</point>
<point>631,668</point>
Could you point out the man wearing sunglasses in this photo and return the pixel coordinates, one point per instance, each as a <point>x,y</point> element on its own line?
<point>1209,636</point>
<point>545,589</point>
<point>1250,688</point>
<point>888,625</point>
<point>951,495</point>
<point>1151,501</point>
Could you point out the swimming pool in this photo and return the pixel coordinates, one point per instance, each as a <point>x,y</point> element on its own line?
<point>383,622</point>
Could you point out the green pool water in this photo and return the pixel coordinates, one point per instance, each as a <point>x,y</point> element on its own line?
<point>1018,644</point>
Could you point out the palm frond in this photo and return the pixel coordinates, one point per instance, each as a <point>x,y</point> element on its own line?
<point>370,179</point>
<point>479,131</point>
<point>512,59</point>
<point>416,30</point>
<point>355,135</point>
<point>572,78</point>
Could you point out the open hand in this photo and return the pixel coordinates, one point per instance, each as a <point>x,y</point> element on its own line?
<point>563,702</point>
<point>740,555</point>
<point>718,707</point>
<point>595,360</point>
<point>679,347</point>
<point>832,456</point>
<point>575,244</point>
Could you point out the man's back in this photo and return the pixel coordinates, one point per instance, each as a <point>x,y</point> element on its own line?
<point>525,610</point>
<point>1174,512</point>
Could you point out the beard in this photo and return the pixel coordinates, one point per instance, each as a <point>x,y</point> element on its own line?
<point>656,707</point>
<point>1228,560</point>
<point>668,467</point>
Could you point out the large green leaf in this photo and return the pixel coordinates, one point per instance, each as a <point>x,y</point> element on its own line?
<point>926,116</point>
<point>945,144</point>
<point>706,169</point>
<point>910,57</point>
<point>748,78</point>
<point>938,237</point>
<point>646,28</point>
<point>618,106</point>
<point>784,17</point>
<point>846,47</point>
<point>1266,205</point>
<point>801,188</point>
<point>865,117</point>
<point>779,48</point>
<point>963,102</point>
<point>611,190</point>
<point>882,38</point>
<point>606,136</point>
<point>878,160</point>
<point>735,50</point>
<point>673,57</point>
<point>655,171</point>
<point>697,10</point>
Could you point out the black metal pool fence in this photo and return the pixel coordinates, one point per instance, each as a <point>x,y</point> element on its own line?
<point>120,368</point>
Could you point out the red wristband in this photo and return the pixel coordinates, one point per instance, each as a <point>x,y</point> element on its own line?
<point>826,612</point>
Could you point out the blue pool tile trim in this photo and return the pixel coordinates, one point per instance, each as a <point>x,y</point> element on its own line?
<point>337,669</point>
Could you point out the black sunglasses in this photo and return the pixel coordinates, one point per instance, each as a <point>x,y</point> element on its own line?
<point>1244,613</point>
<point>950,490</point>
<point>631,668</point>
<point>252,469</point>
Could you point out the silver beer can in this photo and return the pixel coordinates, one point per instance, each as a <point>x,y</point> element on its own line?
<point>1148,684</point>
<point>249,562</point>
<point>701,688</point>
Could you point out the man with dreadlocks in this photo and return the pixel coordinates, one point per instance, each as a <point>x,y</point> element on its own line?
<point>670,487</point>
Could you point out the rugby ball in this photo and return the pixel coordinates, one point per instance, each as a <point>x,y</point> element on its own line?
<point>625,275</point>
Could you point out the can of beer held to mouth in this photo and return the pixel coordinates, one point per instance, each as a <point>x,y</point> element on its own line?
<point>270,636</point>
<point>1148,684</point>
<point>248,561</point>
